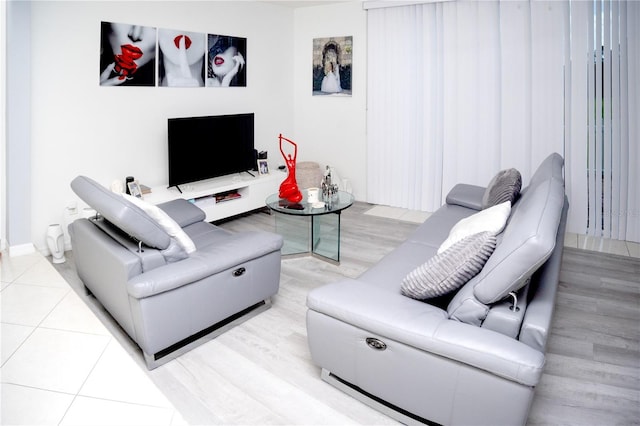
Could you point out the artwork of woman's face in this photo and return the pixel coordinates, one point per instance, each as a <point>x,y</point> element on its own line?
<point>134,42</point>
<point>223,62</point>
<point>171,42</point>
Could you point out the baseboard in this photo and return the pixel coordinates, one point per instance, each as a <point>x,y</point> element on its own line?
<point>21,249</point>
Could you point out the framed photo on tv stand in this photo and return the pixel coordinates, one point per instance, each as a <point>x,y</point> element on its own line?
<point>263,167</point>
<point>134,189</point>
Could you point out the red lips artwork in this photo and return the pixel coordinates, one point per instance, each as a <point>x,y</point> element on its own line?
<point>125,65</point>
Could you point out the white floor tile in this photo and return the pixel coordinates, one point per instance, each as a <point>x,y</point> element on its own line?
<point>29,304</point>
<point>54,360</point>
<point>73,314</point>
<point>415,216</point>
<point>42,273</point>
<point>12,267</point>
<point>571,240</point>
<point>386,211</point>
<point>634,248</point>
<point>13,336</point>
<point>87,411</point>
<point>603,245</point>
<point>28,406</point>
<point>117,377</point>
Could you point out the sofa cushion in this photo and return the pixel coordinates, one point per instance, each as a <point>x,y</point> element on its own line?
<point>448,271</point>
<point>185,213</point>
<point>492,219</point>
<point>170,226</point>
<point>527,242</point>
<point>505,186</point>
<point>122,213</point>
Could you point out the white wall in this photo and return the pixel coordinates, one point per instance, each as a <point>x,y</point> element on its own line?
<point>108,133</point>
<point>332,130</point>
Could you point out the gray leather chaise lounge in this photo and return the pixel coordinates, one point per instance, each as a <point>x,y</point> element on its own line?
<point>469,357</point>
<point>170,279</point>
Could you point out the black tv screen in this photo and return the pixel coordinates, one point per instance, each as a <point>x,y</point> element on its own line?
<point>206,147</point>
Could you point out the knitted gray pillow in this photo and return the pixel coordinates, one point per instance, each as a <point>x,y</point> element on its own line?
<point>505,186</point>
<point>449,270</point>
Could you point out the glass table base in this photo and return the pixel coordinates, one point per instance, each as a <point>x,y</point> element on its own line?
<point>315,235</point>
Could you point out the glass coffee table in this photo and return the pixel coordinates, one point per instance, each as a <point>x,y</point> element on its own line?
<point>310,230</point>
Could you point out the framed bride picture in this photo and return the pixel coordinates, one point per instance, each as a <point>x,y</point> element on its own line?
<point>332,61</point>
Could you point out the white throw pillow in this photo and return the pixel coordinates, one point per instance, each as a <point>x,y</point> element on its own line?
<point>492,219</point>
<point>169,225</point>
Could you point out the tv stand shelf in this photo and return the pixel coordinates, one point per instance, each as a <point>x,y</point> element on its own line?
<point>248,193</point>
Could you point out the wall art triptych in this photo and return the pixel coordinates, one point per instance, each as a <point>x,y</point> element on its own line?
<point>136,55</point>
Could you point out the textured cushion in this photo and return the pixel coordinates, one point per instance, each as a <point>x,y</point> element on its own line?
<point>505,186</point>
<point>492,219</point>
<point>170,226</point>
<point>448,271</point>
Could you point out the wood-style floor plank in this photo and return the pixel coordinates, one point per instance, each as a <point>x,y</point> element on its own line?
<point>261,371</point>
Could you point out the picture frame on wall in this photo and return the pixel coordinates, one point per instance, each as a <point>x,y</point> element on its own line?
<point>332,63</point>
<point>263,167</point>
<point>226,61</point>
<point>181,57</point>
<point>127,54</point>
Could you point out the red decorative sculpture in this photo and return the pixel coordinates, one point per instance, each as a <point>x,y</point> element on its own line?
<point>289,186</point>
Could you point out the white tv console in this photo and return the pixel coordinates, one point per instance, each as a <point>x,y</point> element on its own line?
<point>243,192</point>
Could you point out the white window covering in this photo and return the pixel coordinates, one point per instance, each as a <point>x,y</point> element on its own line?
<point>459,90</point>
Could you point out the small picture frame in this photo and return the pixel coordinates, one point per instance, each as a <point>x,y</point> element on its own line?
<point>263,167</point>
<point>134,189</point>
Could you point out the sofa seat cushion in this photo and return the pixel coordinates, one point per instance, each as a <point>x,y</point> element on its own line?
<point>492,220</point>
<point>392,268</point>
<point>421,325</point>
<point>449,270</point>
<point>231,250</point>
<point>204,234</point>
<point>436,228</point>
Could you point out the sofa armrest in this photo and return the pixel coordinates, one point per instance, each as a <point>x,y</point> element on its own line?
<point>427,327</point>
<point>466,195</point>
<point>183,212</point>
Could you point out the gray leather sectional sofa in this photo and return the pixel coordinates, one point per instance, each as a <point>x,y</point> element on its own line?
<point>467,358</point>
<point>166,297</point>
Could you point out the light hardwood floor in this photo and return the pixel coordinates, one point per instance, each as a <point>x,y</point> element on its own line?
<point>261,372</point>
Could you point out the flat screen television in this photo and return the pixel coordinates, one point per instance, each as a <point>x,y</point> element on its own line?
<point>206,147</point>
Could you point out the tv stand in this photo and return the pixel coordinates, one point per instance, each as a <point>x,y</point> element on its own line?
<point>224,196</point>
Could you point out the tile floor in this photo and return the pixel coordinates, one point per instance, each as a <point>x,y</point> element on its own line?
<point>60,365</point>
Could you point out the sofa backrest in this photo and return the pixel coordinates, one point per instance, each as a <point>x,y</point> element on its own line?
<point>525,244</point>
<point>121,213</point>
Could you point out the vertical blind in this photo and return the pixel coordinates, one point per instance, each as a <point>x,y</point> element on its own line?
<point>605,113</point>
<point>459,90</point>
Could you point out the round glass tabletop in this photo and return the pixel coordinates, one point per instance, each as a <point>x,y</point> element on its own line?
<point>338,202</point>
